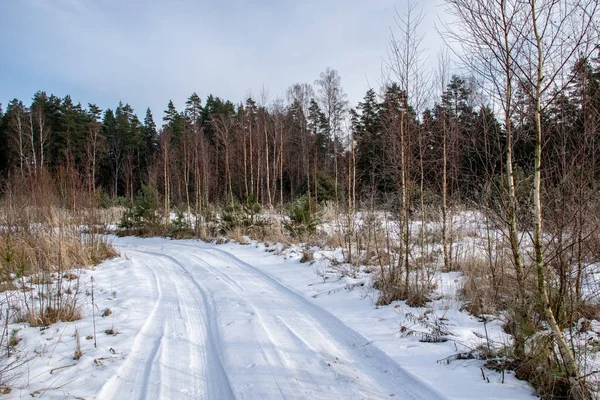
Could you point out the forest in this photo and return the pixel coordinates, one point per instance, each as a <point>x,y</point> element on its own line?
<point>513,135</point>
<point>311,144</point>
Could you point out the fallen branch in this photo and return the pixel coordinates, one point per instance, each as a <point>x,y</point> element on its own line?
<point>64,366</point>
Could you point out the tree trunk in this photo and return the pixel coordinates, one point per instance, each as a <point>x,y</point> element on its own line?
<point>565,352</point>
<point>512,197</point>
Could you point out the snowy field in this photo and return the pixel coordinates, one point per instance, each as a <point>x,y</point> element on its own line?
<point>191,320</point>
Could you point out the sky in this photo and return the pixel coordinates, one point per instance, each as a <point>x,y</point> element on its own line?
<point>146,53</point>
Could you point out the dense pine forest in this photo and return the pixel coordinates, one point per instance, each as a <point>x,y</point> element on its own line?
<point>509,131</point>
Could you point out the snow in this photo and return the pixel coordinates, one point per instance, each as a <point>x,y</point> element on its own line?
<point>196,320</point>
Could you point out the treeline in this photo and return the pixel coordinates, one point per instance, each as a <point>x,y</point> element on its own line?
<point>311,144</point>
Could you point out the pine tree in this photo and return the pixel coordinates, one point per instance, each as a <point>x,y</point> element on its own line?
<point>193,109</point>
<point>150,137</point>
<point>317,126</point>
<point>214,106</point>
<point>366,126</point>
<point>94,146</point>
<point>69,130</point>
<point>114,150</point>
<point>94,112</point>
<point>176,123</point>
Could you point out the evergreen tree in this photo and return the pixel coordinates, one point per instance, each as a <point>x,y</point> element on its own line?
<point>127,141</point>
<point>193,110</point>
<point>457,98</point>
<point>170,113</point>
<point>114,153</point>
<point>460,120</point>
<point>176,123</point>
<point>483,151</point>
<point>94,112</point>
<point>391,109</point>
<point>212,107</point>
<point>584,96</point>
<point>70,130</point>
<point>150,137</point>
<point>318,127</point>
<point>366,127</point>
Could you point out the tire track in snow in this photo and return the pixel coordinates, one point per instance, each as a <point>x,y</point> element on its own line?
<point>292,383</point>
<point>387,373</point>
<point>289,346</point>
<point>215,378</point>
<point>177,365</point>
<point>144,352</point>
<point>341,349</point>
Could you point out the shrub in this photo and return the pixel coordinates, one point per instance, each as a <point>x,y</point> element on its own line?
<point>102,199</point>
<point>307,255</point>
<point>241,215</point>
<point>180,225</point>
<point>303,217</point>
<point>325,187</point>
<point>142,214</point>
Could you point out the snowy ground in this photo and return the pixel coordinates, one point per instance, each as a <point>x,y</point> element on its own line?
<point>203,321</point>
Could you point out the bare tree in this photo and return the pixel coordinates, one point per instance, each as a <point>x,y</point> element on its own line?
<point>165,145</point>
<point>405,66</point>
<point>300,95</point>
<point>17,128</point>
<point>491,37</point>
<point>43,131</point>
<point>224,126</point>
<point>92,144</point>
<point>562,31</point>
<point>30,133</point>
<point>530,43</point>
<point>335,106</point>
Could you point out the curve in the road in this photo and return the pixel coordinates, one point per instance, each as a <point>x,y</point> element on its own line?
<point>229,330</point>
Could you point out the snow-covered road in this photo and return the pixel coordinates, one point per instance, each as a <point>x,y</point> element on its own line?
<point>219,328</point>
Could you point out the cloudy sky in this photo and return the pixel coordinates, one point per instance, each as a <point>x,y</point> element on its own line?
<point>147,52</point>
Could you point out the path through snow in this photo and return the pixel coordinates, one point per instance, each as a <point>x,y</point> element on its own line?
<point>221,329</point>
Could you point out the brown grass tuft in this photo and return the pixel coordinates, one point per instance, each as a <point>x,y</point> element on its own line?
<point>487,288</point>
<point>49,315</point>
<point>238,235</point>
<point>307,256</point>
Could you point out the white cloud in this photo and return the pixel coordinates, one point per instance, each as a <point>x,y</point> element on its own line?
<point>146,53</point>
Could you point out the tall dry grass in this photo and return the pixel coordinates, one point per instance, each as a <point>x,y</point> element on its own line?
<point>41,243</point>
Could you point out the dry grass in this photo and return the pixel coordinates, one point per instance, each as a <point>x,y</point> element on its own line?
<point>8,286</point>
<point>307,255</point>
<point>272,233</point>
<point>206,234</point>
<point>540,368</point>
<point>488,288</point>
<point>48,316</point>
<point>46,233</point>
<point>43,250</point>
<point>40,250</point>
<point>390,290</point>
<point>237,234</point>
<point>107,216</point>
<point>335,240</point>
<point>329,212</point>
